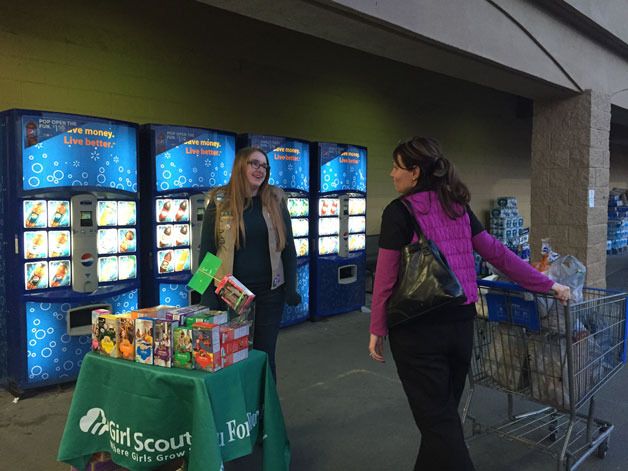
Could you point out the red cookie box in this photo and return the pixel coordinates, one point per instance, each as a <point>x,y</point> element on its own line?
<point>235,357</point>
<point>234,331</point>
<point>206,341</point>
<point>234,346</point>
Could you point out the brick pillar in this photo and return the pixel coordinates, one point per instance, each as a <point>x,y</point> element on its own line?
<point>570,157</point>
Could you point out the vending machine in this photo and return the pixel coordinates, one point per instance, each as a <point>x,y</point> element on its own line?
<point>338,229</point>
<point>70,237</point>
<point>289,161</point>
<point>184,164</point>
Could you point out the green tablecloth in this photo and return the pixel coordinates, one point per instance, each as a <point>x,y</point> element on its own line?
<point>147,415</point>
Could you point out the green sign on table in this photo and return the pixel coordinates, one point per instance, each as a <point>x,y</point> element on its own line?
<point>205,273</point>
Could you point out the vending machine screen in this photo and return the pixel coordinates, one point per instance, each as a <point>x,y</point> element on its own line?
<point>107,241</point>
<point>298,207</point>
<point>328,245</point>
<point>86,219</point>
<point>36,275</point>
<point>107,213</point>
<point>299,227</point>
<point>107,269</point>
<point>357,206</point>
<point>58,214</point>
<point>328,207</point>
<point>357,224</point>
<point>60,273</point>
<point>35,214</point>
<point>58,244</point>
<point>302,247</point>
<point>328,226</point>
<point>35,244</point>
<point>127,240</point>
<point>127,267</point>
<point>127,213</point>
<point>357,242</point>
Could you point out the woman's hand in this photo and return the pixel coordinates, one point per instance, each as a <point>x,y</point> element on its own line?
<point>561,292</point>
<point>376,348</point>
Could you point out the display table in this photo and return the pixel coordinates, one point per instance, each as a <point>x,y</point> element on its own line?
<point>145,415</point>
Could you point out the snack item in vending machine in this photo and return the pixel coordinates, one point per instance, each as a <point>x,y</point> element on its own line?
<point>234,293</point>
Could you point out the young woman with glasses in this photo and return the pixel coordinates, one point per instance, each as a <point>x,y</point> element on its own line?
<point>247,225</point>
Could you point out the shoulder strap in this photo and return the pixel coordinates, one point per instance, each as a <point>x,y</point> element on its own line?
<point>414,222</point>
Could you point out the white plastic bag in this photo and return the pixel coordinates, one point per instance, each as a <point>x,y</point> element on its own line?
<point>568,270</point>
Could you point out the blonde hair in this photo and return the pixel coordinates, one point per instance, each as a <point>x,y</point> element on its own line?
<point>236,197</point>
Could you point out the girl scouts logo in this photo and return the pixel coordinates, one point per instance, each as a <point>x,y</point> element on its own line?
<point>87,259</point>
<point>94,422</point>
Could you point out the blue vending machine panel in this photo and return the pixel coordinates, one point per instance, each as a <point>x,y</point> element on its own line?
<point>338,229</point>
<point>289,161</point>
<point>70,204</point>
<point>185,163</point>
<point>53,355</point>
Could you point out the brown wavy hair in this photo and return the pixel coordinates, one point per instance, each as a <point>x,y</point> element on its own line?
<point>236,195</point>
<point>437,173</point>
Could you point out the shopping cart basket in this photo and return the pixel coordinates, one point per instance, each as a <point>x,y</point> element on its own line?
<point>531,346</point>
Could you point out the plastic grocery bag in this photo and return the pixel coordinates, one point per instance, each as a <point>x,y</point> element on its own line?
<point>568,270</point>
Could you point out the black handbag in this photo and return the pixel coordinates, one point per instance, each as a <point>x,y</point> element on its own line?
<point>425,282</point>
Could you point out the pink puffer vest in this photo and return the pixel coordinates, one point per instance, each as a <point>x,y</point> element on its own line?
<point>452,236</point>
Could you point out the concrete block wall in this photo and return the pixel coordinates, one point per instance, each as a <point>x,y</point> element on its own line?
<point>571,159</point>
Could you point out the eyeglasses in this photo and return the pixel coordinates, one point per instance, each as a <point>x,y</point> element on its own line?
<point>256,164</point>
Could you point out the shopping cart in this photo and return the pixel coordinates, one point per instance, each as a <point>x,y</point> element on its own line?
<point>531,346</point>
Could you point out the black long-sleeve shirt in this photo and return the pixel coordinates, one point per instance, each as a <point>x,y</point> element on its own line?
<point>251,262</point>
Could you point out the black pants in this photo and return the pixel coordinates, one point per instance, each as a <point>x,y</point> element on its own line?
<point>432,362</point>
<point>268,311</point>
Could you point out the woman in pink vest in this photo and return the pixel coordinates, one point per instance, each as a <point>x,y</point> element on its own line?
<point>432,352</point>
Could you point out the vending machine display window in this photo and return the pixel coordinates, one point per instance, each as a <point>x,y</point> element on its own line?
<point>58,244</point>
<point>328,226</point>
<point>328,245</point>
<point>58,213</point>
<point>357,206</point>
<point>107,269</point>
<point>36,275</point>
<point>298,207</point>
<point>357,242</point>
<point>177,235</point>
<point>165,260</point>
<point>302,246</point>
<point>107,241</point>
<point>300,227</point>
<point>35,244</point>
<point>181,234</point>
<point>60,273</point>
<point>357,224</point>
<point>107,213</point>
<point>127,213</point>
<point>164,236</point>
<point>35,214</point>
<point>328,207</point>
<point>127,267</point>
<point>127,240</point>
<point>181,259</point>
